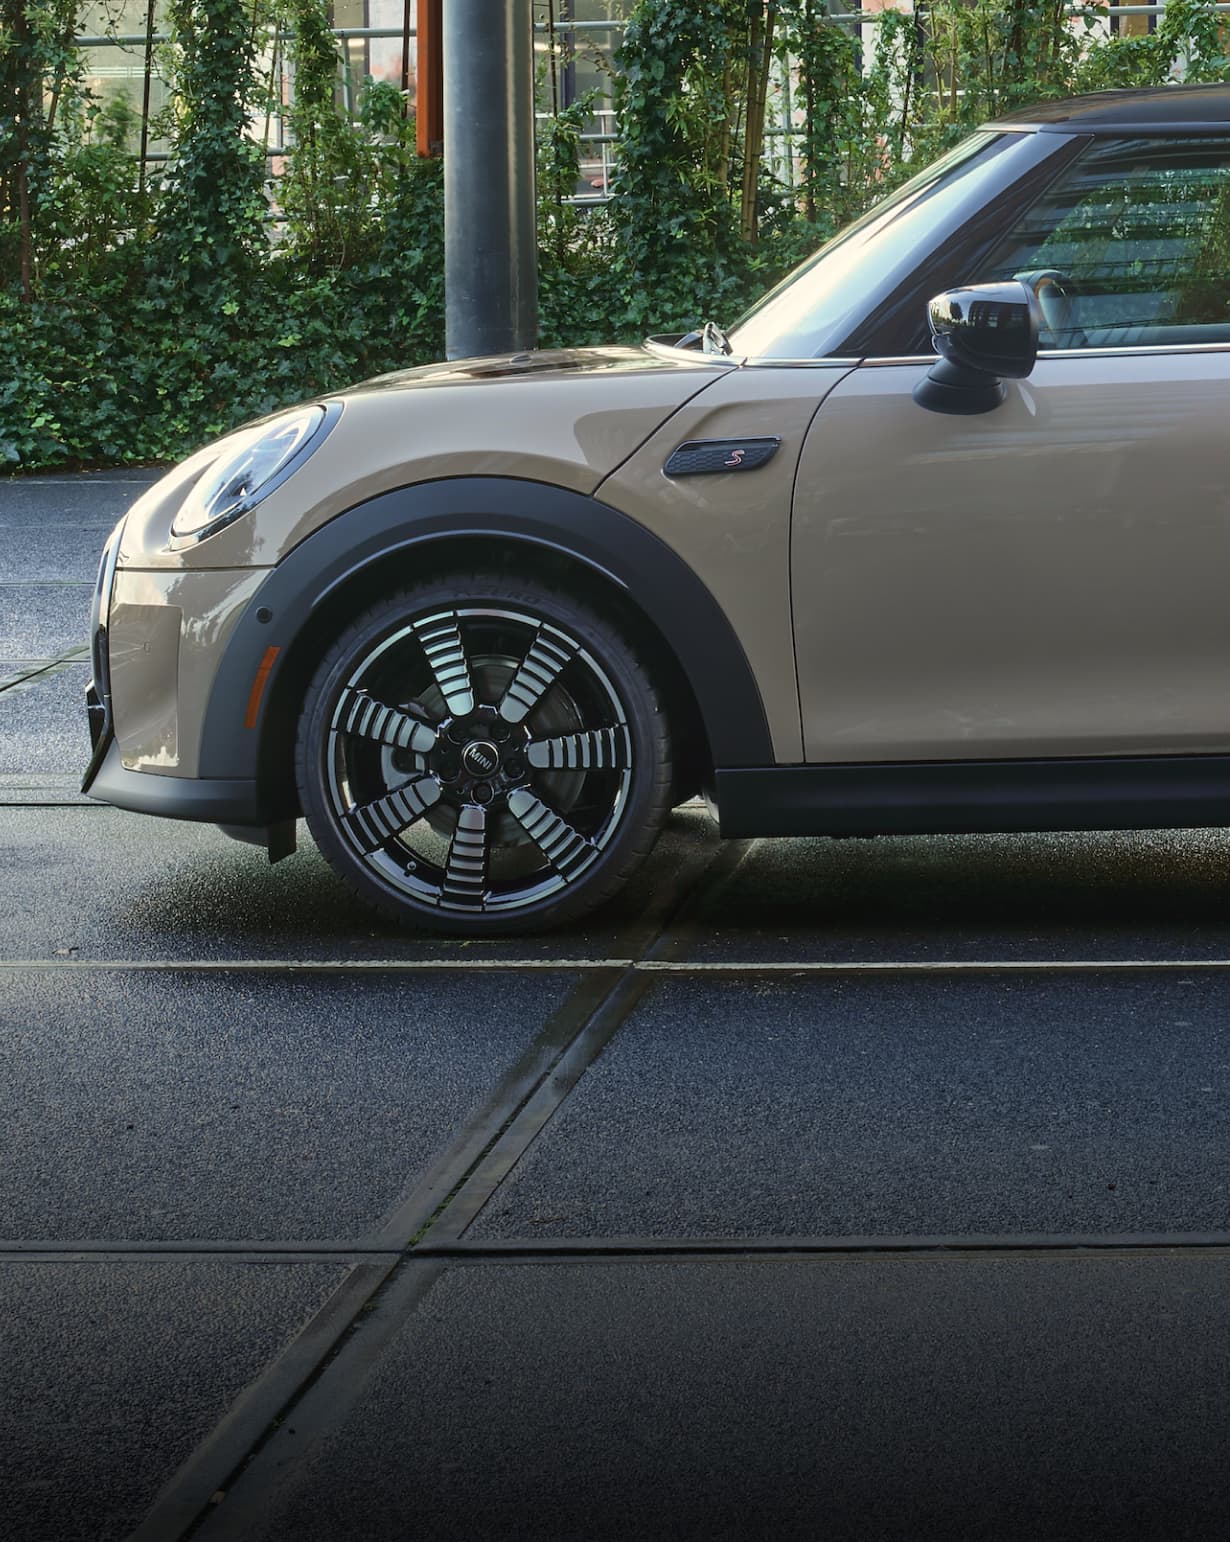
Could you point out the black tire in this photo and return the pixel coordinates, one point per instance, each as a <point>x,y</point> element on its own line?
<point>482,754</point>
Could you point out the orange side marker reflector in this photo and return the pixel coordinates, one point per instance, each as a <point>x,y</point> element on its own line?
<point>258,687</point>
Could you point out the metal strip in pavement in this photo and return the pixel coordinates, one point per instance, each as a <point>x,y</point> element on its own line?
<point>485,1125</point>
<point>572,1022</point>
<point>16,684</point>
<point>242,1501</point>
<point>220,1455</point>
<point>612,1249</point>
<point>748,968</point>
<point>256,1252</point>
<point>606,1249</point>
<point>318,966</point>
<point>616,1007</point>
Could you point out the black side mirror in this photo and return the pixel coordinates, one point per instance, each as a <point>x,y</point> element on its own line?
<point>984,334</point>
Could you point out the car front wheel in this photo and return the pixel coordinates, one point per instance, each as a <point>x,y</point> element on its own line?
<point>483,754</point>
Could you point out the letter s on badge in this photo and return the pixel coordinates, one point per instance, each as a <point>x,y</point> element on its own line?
<point>735,458</point>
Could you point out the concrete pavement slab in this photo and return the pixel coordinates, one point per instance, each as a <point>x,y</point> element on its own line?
<point>169,1106</point>
<point>55,550</point>
<point>1159,893</point>
<point>43,724</point>
<point>895,1400</point>
<point>116,885</point>
<point>115,1370</point>
<point>890,1107</point>
<point>43,620</point>
<point>83,498</point>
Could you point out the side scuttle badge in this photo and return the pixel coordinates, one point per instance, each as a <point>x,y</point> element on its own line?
<point>706,457</point>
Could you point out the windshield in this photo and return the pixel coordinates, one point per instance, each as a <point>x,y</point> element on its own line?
<point>811,312</point>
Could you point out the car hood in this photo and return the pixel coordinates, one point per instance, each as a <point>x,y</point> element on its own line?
<point>567,417</point>
<point>541,364</point>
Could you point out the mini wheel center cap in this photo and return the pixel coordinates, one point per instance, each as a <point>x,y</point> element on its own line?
<point>481,758</point>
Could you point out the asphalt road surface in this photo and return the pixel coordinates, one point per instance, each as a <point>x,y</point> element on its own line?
<point>848,1189</point>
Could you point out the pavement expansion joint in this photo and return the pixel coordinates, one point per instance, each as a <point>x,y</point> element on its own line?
<point>676,934</point>
<point>251,1419</point>
<point>457,1175</point>
<point>147,1253</point>
<point>784,1249</point>
<point>41,670</point>
<point>748,968</point>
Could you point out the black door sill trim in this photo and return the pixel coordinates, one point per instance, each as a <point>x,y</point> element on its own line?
<point>976,796</point>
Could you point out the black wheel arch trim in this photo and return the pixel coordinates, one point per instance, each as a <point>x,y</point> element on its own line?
<point>605,540</point>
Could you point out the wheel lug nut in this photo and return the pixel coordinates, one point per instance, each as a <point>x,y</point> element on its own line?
<point>514,767</point>
<point>484,792</point>
<point>458,734</point>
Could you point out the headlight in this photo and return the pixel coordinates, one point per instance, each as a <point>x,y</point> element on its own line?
<point>248,465</point>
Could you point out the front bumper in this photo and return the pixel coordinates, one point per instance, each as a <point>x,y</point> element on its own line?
<point>230,802</point>
<point>213,799</point>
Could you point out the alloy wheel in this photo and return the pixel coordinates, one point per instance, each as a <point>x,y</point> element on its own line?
<point>478,760</point>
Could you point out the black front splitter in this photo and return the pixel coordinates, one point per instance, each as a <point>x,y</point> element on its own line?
<point>214,800</point>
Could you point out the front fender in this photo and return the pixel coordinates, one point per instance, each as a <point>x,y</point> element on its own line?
<point>533,513</point>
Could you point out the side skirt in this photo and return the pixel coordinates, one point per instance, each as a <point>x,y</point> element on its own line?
<point>976,797</point>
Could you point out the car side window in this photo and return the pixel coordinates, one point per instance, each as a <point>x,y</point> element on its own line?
<point>1129,247</point>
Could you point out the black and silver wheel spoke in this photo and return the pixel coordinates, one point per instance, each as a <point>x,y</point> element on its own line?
<point>364,717</point>
<point>465,871</point>
<point>549,653</point>
<point>446,657</point>
<point>565,849</point>
<point>374,824</point>
<point>595,749</point>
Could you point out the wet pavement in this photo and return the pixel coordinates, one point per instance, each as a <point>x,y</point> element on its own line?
<point>858,1189</point>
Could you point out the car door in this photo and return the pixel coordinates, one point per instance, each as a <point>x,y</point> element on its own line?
<point>1048,578</point>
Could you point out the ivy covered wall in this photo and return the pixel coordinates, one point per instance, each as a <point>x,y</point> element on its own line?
<point>141,316</point>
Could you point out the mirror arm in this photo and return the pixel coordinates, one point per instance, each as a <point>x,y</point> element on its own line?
<point>956,388</point>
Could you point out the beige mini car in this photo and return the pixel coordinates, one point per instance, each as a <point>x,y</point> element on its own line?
<point>937,539</point>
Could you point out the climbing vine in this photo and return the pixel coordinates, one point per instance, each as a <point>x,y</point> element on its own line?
<point>680,125</point>
<point>140,315</point>
<point>212,220</point>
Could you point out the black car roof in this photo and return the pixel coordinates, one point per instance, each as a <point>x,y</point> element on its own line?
<point>1169,109</point>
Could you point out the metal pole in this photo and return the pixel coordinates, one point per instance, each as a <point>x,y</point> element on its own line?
<point>149,70</point>
<point>405,58</point>
<point>490,245</point>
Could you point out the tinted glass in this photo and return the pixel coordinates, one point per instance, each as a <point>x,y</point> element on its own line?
<point>1136,234</point>
<point>812,312</point>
